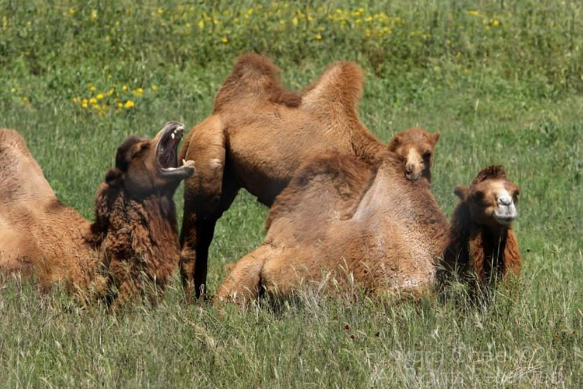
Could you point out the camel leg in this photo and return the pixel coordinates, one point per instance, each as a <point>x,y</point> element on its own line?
<point>206,196</point>
<point>243,282</point>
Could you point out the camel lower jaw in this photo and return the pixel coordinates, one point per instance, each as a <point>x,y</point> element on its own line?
<point>505,220</point>
<point>182,172</point>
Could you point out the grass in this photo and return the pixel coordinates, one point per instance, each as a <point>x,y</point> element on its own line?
<point>510,97</point>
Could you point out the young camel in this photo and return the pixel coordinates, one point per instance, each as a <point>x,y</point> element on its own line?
<point>482,243</point>
<point>256,138</point>
<point>392,241</point>
<point>134,233</point>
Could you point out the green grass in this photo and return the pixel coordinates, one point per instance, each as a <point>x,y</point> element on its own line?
<point>510,97</point>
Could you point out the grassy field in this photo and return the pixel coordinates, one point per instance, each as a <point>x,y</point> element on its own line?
<point>502,80</point>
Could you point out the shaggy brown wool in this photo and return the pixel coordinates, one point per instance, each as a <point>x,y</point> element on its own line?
<point>134,237</point>
<point>478,244</point>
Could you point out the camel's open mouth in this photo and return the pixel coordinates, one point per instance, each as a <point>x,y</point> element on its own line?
<point>167,149</point>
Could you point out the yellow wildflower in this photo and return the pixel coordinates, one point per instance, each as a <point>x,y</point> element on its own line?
<point>71,11</point>
<point>225,40</point>
<point>160,11</point>
<point>100,96</point>
<point>139,91</point>
<point>474,13</point>
<point>92,88</point>
<point>110,92</point>
<point>319,37</point>
<point>129,104</point>
<point>25,99</point>
<point>124,88</point>
<point>84,103</point>
<point>295,21</point>
<point>495,22</point>
<point>201,24</point>
<point>93,100</point>
<point>94,14</point>
<point>96,106</point>
<point>154,87</point>
<point>119,105</point>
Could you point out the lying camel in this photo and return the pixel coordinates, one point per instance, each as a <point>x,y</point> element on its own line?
<point>339,219</point>
<point>134,234</point>
<point>481,240</point>
<point>256,138</point>
<point>390,242</point>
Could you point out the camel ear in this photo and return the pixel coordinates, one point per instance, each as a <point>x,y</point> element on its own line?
<point>461,191</point>
<point>114,177</point>
<point>436,136</point>
<point>395,142</point>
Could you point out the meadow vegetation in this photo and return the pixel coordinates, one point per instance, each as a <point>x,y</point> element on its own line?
<point>501,79</point>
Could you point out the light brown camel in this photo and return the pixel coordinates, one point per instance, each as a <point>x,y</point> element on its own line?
<point>482,243</point>
<point>134,233</point>
<point>256,138</point>
<point>339,219</point>
<point>394,239</point>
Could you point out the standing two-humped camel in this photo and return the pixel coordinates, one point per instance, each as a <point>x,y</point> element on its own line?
<point>377,230</point>
<point>257,137</point>
<point>134,234</point>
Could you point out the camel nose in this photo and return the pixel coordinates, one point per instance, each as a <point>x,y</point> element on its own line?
<point>505,200</point>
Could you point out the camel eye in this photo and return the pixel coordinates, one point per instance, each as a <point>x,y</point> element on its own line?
<point>478,195</point>
<point>141,149</point>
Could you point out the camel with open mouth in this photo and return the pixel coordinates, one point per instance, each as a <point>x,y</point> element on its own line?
<point>134,236</point>
<point>257,137</point>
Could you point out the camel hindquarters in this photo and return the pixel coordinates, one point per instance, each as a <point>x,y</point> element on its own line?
<point>244,280</point>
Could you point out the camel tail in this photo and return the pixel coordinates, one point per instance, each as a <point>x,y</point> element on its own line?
<point>338,89</point>
<point>254,76</point>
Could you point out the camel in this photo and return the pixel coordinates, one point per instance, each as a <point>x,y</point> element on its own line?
<point>482,244</point>
<point>257,137</point>
<point>395,240</point>
<point>344,221</point>
<point>134,235</point>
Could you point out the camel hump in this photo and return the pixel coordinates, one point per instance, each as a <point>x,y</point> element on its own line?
<point>337,90</point>
<point>10,137</point>
<point>343,175</point>
<point>255,77</point>
<point>20,175</point>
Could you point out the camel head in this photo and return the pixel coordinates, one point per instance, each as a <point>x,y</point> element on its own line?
<point>144,167</point>
<point>415,146</point>
<point>491,198</point>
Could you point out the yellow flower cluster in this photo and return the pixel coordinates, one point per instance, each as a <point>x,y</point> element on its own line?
<point>116,98</point>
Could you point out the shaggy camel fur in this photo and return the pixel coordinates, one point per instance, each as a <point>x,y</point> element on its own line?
<point>389,242</point>
<point>481,240</point>
<point>256,138</point>
<point>134,234</point>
